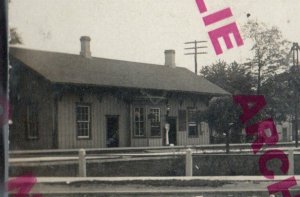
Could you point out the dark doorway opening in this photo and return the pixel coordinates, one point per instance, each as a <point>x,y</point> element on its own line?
<point>112,131</point>
<point>173,130</point>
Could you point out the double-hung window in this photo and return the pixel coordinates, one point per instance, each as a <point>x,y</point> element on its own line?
<point>192,123</point>
<point>32,125</point>
<point>139,122</point>
<point>83,120</point>
<point>155,122</point>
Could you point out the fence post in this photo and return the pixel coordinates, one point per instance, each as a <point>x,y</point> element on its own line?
<point>188,163</point>
<point>82,163</point>
<point>291,162</point>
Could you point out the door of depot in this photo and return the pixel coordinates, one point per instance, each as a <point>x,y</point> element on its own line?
<point>173,130</point>
<point>112,131</point>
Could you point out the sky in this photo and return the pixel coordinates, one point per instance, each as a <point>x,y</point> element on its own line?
<point>140,30</point>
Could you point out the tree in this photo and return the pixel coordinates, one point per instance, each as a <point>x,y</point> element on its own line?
<point>234,78</point>
<point>222,114</point>
<point>15,38</point>
<point>269,51</point>
<point>279,96</point>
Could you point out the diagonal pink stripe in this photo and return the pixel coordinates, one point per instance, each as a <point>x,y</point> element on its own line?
<point>217,16</point>
<point>201,6</point>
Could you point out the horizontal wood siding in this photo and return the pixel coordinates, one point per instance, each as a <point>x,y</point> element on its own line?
<point>108,105</point>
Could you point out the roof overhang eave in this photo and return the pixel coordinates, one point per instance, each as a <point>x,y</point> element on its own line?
<point>127,87</point>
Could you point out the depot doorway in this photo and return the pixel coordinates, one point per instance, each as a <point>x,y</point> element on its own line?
<point>112,131</point>
<point>173,130</point>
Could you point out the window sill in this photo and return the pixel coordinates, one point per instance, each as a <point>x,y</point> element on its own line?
<point>83,138</point>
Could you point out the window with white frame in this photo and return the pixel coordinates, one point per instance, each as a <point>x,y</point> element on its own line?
<point>83,120</point>
<point>192,123</point>
<point>155,130</point>
<point>32,130</point>
<point>139,122</point>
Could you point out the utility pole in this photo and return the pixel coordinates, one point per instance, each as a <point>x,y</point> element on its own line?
<point>295,50</point>
<point>195,53</point>
<point>4,96</point>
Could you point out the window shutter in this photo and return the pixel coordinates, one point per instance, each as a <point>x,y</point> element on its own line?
<point>182,120</point>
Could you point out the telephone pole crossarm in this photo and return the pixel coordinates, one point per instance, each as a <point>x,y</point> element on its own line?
<point>193,42</point>
<point>203,47</point>
<point>195,53</point>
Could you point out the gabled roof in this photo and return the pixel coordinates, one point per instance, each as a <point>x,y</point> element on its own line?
<point>75,69</point>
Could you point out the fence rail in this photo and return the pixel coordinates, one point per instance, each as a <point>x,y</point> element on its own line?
<point>82,157</point>
<point>212,148</point>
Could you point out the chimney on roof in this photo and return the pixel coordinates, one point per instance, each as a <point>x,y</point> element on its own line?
<point>85,46</point>
<point>170,58</point>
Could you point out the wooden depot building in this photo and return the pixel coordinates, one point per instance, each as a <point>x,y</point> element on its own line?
<point>64,101</point>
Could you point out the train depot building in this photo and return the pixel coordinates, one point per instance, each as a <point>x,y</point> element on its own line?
<point>65,101</point>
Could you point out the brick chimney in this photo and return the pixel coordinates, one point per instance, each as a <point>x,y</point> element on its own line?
<point>170,58</point>
<point>85,46</point>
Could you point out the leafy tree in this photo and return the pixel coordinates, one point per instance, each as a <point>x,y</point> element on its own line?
<point>15,38</point>
<point>234,78</point>
<point>263,73</point>
<point>279,96</point>
<point>216,73</point>
<point>269,51</point>
<point>222,114</point>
